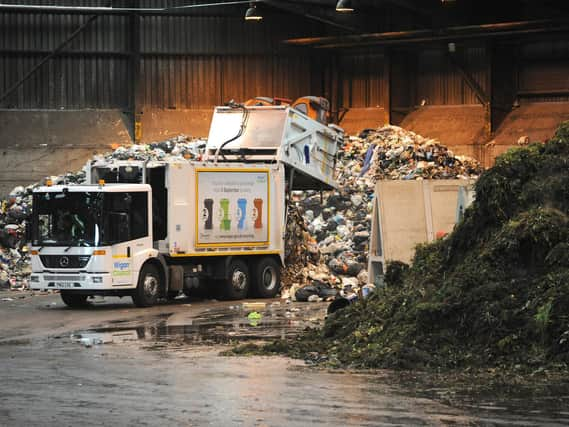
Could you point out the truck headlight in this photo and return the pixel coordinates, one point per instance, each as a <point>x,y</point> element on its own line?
<point>34,279</point>
<point>97,279</point>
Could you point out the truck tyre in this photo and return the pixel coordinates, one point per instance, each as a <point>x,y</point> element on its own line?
<point>267,278</point>
<point>74,300</point>
<point>149,287</point>
<point>236,284</point>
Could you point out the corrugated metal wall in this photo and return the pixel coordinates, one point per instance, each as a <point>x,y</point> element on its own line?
<point>203,61</point>
<point>436,80</point>
<point>440,83</point>
<point>364,80</point>
<point>199,61</point>
<point>186,62</point>
<point>203,81</point>
<point>543,71</point>
<point>89,74</point>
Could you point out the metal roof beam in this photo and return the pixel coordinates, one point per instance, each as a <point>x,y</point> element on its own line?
<point>87,10</point>
<point>297,10</point>
<point>443,34</point>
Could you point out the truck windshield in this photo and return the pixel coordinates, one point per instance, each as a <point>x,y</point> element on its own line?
<point>66,218</point>
<point>88,218</point>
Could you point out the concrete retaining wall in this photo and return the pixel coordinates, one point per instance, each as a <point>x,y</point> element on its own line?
<point>158,125</point>
<point>35,144</point>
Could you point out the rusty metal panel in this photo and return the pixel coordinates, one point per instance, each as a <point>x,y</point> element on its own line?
<point>477,61</point>
<point>440,83</point>
<point>544,76</point>
<point>202,81</point>
<point>432,71</point>
<point>364,80</point>
<point>247,77</point>
<point>543,70</point>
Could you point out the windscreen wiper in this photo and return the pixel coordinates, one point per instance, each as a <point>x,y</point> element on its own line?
<point>75,243</point>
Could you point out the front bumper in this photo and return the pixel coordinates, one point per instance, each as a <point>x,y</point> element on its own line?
<point>72,281</point>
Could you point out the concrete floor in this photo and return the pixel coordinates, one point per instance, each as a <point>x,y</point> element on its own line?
<point>113,364</point>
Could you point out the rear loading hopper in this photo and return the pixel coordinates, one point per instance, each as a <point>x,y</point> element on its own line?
<point>305,146</point>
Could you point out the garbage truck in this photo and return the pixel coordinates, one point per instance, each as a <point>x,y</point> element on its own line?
<point>150,229</point>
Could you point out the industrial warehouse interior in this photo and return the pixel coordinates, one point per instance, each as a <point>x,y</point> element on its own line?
<point>284,212</point>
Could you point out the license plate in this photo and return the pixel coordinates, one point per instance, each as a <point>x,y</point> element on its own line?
<point>64,284</point>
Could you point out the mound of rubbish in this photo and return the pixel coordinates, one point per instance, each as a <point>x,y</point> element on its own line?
<point>329,233</point>
<point>493,293</point>
<point>402,154</point>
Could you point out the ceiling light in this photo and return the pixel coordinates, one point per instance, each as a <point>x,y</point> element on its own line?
<point>344,6</point>
<point>253,14</point>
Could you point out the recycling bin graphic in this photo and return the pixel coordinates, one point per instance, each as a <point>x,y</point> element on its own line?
<point>208,213</point>
<point>232,207</point>
<point>258,203</point>
<point>241,210</point>
<point>225,224</point>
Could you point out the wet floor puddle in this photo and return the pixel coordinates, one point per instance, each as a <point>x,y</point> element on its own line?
<point>241,322</point>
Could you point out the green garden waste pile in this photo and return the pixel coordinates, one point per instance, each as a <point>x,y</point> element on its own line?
<point>495,292</point>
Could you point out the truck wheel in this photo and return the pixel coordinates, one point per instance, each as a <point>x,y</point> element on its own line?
<point>236,284</point>
<point>74,300</point>
<point>267,278</point>
<point>148,288</point>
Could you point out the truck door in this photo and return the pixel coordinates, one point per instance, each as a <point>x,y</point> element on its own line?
<point>127,227</point>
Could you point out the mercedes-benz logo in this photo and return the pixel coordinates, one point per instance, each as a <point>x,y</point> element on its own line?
<point>63,261</point>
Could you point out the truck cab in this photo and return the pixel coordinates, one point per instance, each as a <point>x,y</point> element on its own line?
<point>90,239</point>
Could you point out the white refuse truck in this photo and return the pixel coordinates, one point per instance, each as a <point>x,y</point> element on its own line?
<point>151,229</point>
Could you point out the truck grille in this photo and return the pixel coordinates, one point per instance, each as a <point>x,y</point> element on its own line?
<point>65,261</point>
<point>63,278</point>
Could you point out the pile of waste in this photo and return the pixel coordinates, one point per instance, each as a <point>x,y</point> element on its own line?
<point>331,230</point>
<point>177,147</point>
<point>14,258</point>
<point>493,293</point>
<point>402,154</point>
<point>15,209</point>
<point>333,233</point>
